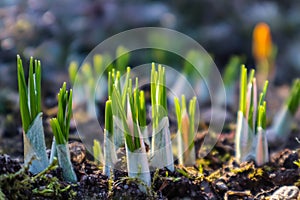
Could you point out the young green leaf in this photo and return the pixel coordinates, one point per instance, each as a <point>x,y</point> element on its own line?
<point>61,124</point>
<point>243,90</point>
<point>30,95</point>
<point>98,155</point>
<point>108,117</point>
<point>73,68</point>
<point>142,109</point>
<point>293,101</point>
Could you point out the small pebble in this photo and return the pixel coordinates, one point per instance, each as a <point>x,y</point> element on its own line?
<point>77,152</point>
<point>286,192</point>
<point>272,175</point>
<point>221,186</point>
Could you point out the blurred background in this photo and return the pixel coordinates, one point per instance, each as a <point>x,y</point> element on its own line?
<point>60,31</point>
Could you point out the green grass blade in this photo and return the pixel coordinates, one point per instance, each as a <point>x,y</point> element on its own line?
<point>264,117</point>
<point>164,92</point>
<point>178,112</point>
<point>261,122</point>
<point>73,68</point>
<point>61,124</point>
<point>23,100</point>
<point>69,115</point>
<point>38,83</point>
<point>293,100</point>
<point>118,80</point>
<point>98,155</point>
<point>192,111</point>
<point>117,108</point>
<point>243,90</point>
<point>251,76</point>
<point>31,91</point>
<point>59,137</point>
<point>60,112</point>
<point>110,84</point>
<point>109,117</point>
<point>263,94</point>
<point>153,94</point>
<point>142,108</point>
<point>126,85</point>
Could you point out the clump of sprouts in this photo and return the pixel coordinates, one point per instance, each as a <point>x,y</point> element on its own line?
<point>60,127</point>
<point>186,130</point>
<point>31,115</point>
<point>161,147</point>
<point>250,138</point>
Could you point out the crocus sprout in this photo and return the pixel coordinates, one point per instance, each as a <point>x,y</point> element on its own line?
<point>282,123</point>
<point>30,96</point>
<point>73,69</point>
<point>110,156</point>
<point>161,147</point>
<point>137,160</point>
<point>186,130</point>
<point>31,115</point>
<point>60,127</point>
<point>250,138</point>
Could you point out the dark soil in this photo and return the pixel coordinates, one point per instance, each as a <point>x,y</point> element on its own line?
<point>217,176</point>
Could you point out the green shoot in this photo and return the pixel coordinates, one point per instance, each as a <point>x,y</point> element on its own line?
<point>160,132</point>
<point>117,107</point>
<point>110,156</point>
<point>60,128</point>
<point>186,130</point>
<point>294,99</point>
<point>281,125</point>
<point>126,85</point>
<point>263,93</point>
<point>30,109</point>
<point>158,94</point>
<point>251,122</point>
<point>192,112</point>
<point>61,125</point>
<point>30,95</point>
<point>98,155</point>
<point>262,118</point>
<point>131,119</point>
<point>73,68</point>
<point>142,110</point>
<point>114,83</point>
<point>109,117</point>
<point>243,89</point>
